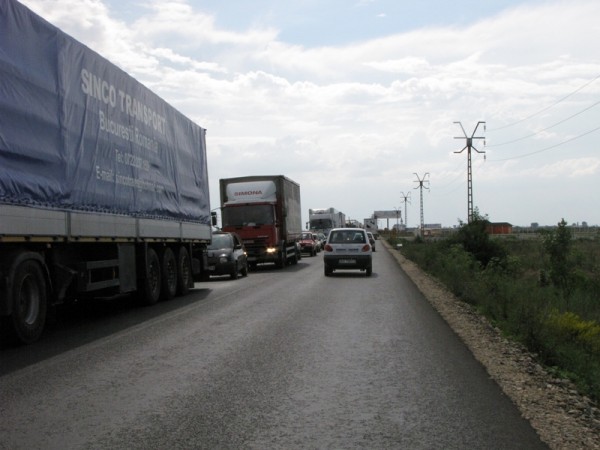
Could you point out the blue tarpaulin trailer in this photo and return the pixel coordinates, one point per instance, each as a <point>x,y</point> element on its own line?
<point>103,185</point>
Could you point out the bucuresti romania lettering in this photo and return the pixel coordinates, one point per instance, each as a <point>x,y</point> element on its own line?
<point>101,90</point>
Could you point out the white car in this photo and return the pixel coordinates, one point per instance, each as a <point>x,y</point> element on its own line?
<point>348,248</point>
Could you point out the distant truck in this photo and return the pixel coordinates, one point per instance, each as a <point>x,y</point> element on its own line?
<point>371,225</point>
<point>265,211</point>
<point>103,185</point>
<point>324,219</point>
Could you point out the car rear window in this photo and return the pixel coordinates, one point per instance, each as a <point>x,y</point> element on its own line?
<point>347,236</point>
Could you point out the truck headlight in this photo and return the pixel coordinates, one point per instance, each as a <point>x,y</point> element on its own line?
<point>271,250</point>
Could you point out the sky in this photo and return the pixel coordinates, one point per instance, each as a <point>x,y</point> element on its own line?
<point>359,100</point>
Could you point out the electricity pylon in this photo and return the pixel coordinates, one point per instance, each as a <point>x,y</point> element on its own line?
<point>421,186</point>
<point>470,146</point>
<point>406,199</point>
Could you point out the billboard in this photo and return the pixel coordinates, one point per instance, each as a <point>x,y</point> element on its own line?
<point>387,214</point>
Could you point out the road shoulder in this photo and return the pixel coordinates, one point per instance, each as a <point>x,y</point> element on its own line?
<point>563,418</point>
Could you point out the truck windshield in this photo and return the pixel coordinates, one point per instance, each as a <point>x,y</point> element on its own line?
<point>321,224</point>
<point>248,215</point>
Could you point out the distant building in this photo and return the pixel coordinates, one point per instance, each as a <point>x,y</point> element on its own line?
<point>499,228</point>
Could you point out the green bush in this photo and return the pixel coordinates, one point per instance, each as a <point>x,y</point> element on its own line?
<point>559,319</point>
<point>475,240</point>
<point>573,345</point>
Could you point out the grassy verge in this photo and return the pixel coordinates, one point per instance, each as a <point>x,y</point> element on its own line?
<point>550,304</point>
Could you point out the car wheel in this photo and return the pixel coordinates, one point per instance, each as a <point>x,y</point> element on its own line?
<point>328,271</point>
<point>369,271</point>
<point>234,271</point>
<point>245,269</point>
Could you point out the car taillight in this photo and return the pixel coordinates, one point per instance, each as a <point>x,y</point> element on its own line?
<point>328,248</point>
<point>365,248</point>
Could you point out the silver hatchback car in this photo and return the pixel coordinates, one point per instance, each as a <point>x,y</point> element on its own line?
<point>348,248</point>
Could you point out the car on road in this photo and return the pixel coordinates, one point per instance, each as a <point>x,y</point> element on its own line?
<point>309,243</point>
<point>348,248</point>
<point>372,240</point>
<point>227,255</point>
<point>318,241</point>
<point>322,239</point>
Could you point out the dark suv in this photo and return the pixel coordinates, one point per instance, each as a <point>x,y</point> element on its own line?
<point>227,255</point>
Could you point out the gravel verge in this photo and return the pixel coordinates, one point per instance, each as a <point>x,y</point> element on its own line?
<point>563,418</point>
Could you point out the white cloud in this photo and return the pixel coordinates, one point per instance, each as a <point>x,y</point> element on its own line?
<point>368,115</point>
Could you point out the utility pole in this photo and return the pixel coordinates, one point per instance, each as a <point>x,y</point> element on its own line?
<point>421,186</point>
<point>398,218</point>
<point>406,199</point>
<point>470,146</point>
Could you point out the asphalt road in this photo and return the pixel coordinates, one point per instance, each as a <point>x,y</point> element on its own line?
<point>280,359</point>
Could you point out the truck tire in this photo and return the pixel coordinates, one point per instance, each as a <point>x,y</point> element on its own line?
<point>184,272</point>
<point>29,301</point>
<point>168,271</point>
<point>150,290</point>
<point>281,260</point>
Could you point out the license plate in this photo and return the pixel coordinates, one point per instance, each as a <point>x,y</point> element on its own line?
<point>347,261</point>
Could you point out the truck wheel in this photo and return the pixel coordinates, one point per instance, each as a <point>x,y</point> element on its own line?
<point>282,260</point>
<point>150,292</point>
<point>184,272</point>
<point>168,273</point>
<point>29,301</point>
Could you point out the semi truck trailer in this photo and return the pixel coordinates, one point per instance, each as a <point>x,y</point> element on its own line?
<point>265,211</point>
<point>103,185</point>
<point>322,220</point>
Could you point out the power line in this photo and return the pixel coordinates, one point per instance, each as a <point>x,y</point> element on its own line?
<point>548,148</point>
<point>547,107</point>
<point>544,129</point>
